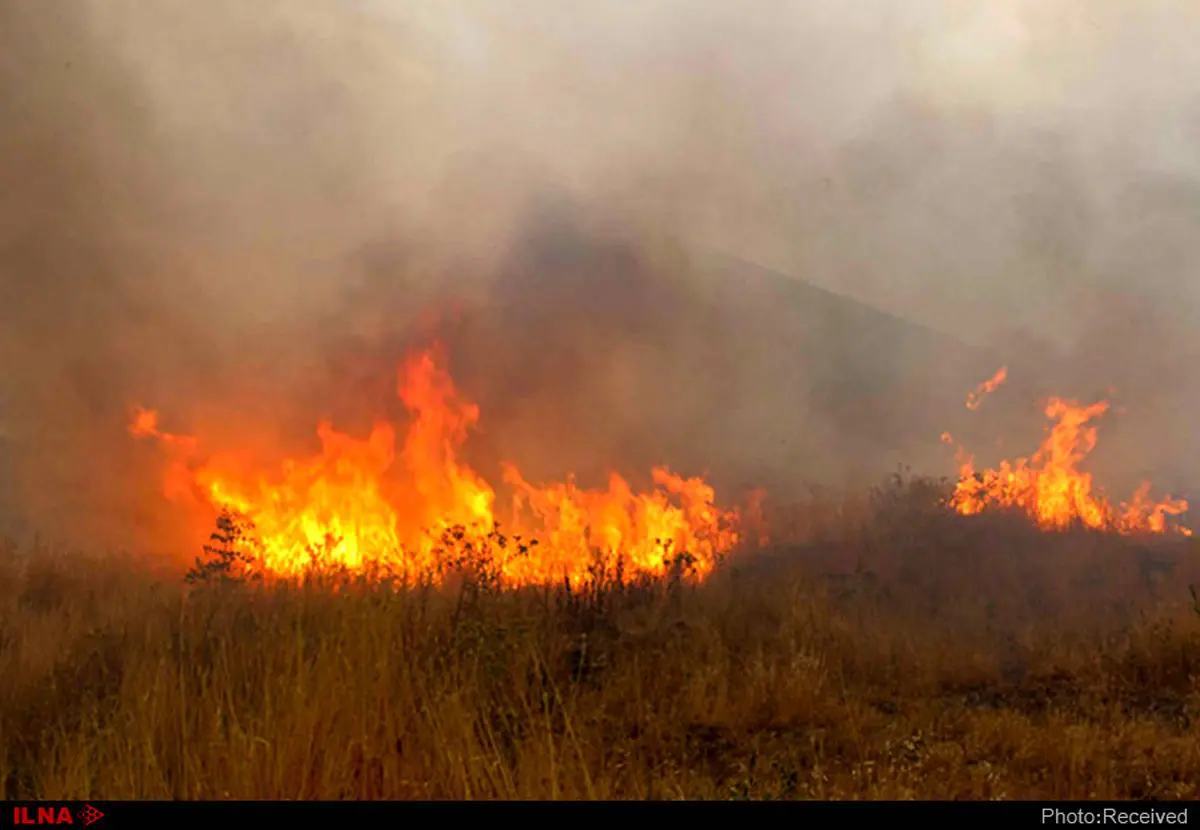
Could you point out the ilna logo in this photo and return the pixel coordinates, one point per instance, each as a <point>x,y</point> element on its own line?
<point>86,815</point>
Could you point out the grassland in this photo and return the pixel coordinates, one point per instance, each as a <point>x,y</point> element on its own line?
<point>891,652</point>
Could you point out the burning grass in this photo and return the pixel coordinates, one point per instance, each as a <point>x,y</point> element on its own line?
<point>899,651</point>
<point>361,504</point>
<point>1050,485</point>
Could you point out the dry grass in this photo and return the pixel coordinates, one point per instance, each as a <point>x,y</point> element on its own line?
<point>944,659</point>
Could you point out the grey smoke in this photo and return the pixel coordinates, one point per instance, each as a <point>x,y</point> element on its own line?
<point>243,212</point>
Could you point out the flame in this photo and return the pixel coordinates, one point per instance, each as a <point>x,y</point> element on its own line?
<point>360,504</point>
<point>646,527</point>
<point>1049,487</point>
<point>975,399</point>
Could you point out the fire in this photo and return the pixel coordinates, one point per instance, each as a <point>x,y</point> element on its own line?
<point>975,399</point>
<point>359,503</point>
<point>644,526</point>
<point>1049,486</point>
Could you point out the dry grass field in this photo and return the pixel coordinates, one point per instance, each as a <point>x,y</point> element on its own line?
<point>898,653</point>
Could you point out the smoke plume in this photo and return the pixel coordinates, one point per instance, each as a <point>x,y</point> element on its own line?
<point>242,213</point>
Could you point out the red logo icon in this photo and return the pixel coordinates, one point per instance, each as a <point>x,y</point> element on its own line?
<point>89,815</point>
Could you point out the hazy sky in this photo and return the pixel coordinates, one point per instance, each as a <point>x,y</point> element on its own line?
<point>976,166</point>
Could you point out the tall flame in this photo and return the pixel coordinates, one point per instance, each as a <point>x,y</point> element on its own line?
<point>358,503</point>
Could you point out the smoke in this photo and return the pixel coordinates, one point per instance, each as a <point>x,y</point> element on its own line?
<point>242,213</point>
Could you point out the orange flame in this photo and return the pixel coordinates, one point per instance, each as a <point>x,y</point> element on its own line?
<point>358,504</point>
<point>1050,488</point>
<point>975,399</point>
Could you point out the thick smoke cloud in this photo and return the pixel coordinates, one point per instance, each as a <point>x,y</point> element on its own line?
<point>243,213</point>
